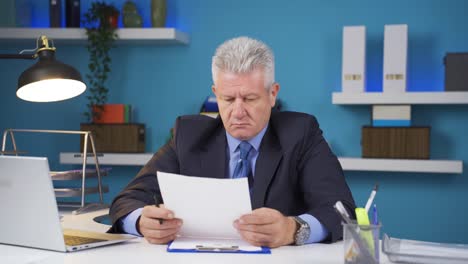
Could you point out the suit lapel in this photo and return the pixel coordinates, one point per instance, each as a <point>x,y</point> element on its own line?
<point>213,156</point>
<point>267,162</point>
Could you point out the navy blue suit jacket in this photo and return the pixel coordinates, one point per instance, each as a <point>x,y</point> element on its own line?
<point>296,172</point>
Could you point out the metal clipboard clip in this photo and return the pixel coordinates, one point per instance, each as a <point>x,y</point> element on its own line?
<point>217,248</point>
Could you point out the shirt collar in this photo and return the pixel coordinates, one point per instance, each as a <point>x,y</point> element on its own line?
<point>233,142</point>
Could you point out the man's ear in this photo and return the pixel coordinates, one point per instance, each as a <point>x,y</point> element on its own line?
<point>273,93</point>
<point>213,89</point>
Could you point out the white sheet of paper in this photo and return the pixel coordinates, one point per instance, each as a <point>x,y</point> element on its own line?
<point>207,206</point>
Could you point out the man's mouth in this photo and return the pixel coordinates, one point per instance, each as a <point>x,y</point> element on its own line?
<point>239,124</point>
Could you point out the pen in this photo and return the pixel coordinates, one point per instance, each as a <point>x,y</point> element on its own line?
<point>375,217</point>
<point>339,207</point>
<point>375,228</point>
<point>371,197</point>
<point>156,203</point>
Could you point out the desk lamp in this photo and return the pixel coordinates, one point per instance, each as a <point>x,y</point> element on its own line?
<point>48,80</point>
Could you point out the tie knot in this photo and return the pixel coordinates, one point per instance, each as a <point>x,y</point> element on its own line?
<point>245,149</point>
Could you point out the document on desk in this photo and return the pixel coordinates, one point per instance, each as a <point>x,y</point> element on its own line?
<point>208,208</point>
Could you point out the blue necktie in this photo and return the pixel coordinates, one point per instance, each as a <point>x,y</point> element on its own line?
<point>243,165</point>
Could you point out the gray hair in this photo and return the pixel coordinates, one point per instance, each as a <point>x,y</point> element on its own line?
<point>244,55</point>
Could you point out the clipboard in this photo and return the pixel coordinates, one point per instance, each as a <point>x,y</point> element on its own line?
<point>200,248</point>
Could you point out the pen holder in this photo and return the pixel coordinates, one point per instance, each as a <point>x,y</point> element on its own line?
<point>361,243</point>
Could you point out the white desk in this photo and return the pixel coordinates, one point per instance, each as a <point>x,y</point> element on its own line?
<point>139,251</point>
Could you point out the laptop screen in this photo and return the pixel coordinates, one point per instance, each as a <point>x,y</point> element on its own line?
<point>29,210</point>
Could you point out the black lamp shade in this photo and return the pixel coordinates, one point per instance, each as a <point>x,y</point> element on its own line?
<point>49,80</point>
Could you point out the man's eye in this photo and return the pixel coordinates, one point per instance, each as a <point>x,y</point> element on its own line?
<point>250,99</point>
<point>229,100</point>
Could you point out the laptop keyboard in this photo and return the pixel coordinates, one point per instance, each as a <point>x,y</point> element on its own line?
<point>77,240</point>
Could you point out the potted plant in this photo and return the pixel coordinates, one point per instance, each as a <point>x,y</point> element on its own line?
<point>100,22</point>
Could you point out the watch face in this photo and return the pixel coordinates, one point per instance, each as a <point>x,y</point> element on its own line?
<point>302,236</point>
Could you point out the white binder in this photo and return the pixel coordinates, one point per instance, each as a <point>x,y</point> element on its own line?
<point>395,58</point>
<point>354,59</point>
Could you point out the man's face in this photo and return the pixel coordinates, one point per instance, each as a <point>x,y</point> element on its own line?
<point>244,103</point>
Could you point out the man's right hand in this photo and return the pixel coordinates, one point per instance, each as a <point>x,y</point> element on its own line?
<point>150,227</point>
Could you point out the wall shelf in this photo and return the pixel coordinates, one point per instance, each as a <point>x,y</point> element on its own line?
<point>348,164</point>
<point>78,35</point>
<point>402,165</point>
<point>372,98</point>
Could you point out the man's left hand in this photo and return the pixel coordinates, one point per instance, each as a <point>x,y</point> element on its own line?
<point>266,227</point>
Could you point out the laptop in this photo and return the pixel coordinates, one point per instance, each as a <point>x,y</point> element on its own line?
<point>29,212</point>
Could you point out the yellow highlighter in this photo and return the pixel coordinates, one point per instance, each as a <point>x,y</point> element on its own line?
<point>363,220</point>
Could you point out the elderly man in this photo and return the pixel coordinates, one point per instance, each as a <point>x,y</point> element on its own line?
<point>294,177</point>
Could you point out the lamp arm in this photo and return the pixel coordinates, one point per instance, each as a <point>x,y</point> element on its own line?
<point>18,56</point>
<point>42,44</point>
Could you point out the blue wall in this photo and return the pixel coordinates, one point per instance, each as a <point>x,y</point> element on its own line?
<point>162,82</point>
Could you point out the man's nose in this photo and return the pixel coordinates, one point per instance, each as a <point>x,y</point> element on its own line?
<point>238,108</point>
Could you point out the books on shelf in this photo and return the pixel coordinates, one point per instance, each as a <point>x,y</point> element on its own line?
<point>395,58</point>
<point>55,13</point>
<point>353,77</point>
<point>456,69</point>
<point>72,13</point>
<point>114,114</point>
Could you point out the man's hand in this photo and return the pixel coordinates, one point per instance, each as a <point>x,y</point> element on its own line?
<point>266,227</point>
<point>151,228</point>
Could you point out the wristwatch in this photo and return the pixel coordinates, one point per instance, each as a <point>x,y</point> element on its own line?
<point>302,231</point>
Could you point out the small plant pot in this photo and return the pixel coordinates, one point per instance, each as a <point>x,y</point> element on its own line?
<point>113,20</point>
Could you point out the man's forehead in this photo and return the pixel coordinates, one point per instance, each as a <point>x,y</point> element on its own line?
<point>234,80</point>
<point>244,89</point>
